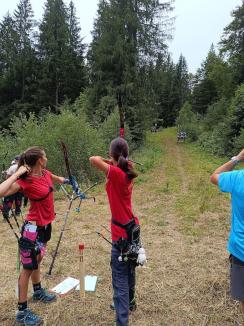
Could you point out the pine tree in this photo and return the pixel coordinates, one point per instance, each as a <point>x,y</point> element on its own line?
<point>53,50</point>
<point>204,90</point>
<point>182,81</point>
<point>63,74</point>
<point>24,25</point>
<point>233,43</point>
<point>8,58</point>
<point>127,36</point>
<point>75,74</point>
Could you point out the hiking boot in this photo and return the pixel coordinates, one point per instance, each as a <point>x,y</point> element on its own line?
<point>43,296</point>
<point>27,318</point>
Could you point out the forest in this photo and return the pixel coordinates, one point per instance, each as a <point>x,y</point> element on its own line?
<point>53,86</point>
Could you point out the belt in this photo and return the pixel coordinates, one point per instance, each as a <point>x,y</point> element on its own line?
<point>236,261</point>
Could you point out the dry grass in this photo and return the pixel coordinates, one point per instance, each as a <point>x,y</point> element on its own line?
<point>185,227</point>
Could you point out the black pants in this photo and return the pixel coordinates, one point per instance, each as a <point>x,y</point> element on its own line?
<point>8,202</point>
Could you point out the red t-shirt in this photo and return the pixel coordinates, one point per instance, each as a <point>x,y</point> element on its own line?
<point>119,191</point>
<point>35,187</point>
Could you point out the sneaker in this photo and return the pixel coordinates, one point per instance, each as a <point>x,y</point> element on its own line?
<point>27,318</point>
<point>132,305</point>
<point>43,296</point>
<point>112,306</point>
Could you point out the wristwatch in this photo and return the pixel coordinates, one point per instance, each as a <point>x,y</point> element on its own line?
<point>234,160</point>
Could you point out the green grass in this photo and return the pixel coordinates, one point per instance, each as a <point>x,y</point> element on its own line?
<point>200,197</point>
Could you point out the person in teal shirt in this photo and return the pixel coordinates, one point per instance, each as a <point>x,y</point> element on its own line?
<point>233,182</point>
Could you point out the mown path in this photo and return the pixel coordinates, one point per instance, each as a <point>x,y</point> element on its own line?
<point>184,225</point>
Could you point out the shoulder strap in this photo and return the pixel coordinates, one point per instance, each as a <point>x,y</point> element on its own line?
<point>50,189</point>
<point>44,197</point>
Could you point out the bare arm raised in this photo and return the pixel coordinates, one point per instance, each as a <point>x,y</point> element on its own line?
<point>9,186</point>
<point>100,163</point>
<point>226,167</point>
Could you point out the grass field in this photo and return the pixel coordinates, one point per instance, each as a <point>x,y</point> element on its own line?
<point>185,224</point>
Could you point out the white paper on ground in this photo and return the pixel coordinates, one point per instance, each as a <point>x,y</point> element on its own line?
<point>90,283</point>
<point>65,286</point>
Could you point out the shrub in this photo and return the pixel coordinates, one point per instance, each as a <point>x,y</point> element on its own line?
<point>187,121</point>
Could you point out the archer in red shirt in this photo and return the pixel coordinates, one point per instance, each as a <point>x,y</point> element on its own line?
<point>39,190</point>
<point>36,183</point>
<point>119,192</point>
<point>120,175</point>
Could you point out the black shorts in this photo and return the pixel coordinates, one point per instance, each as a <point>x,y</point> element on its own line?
<point>44,233</point>
<point>236,278</point>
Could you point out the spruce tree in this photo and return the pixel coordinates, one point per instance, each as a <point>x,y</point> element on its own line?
<point>24,26</point>
<point>61,52</point>
<point>53,51</point>
<point>232,43</point>
<point>75,74</point>
<point>127,36</point>
<point>204,88</point>
<point>8,58</point>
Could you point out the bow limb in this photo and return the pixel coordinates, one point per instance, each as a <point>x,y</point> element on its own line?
<point>65,152</point>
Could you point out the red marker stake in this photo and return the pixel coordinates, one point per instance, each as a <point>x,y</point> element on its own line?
<point>82,270</point>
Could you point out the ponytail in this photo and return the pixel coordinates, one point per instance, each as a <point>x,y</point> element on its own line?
<point>119,150</point>
<point>126,166</point>
<point>30,157</point>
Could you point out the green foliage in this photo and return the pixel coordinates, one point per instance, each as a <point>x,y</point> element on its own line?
<point>82,141</point>
<point>40,69</point>
<point>127,38</point>
<point>106,107</point>
<point>217,141</point>
<point>238,142</point>
<point>233,45</point>
<point>62,67</point>
<point>109,130</point>
<point>187,121</point>
<point>236,112</point>
<point>223,126</point>
<point>205,90</point>
<point>216,113</point>
<point>18,62</point>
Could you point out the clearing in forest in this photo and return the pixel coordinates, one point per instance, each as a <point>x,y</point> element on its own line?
<point>185,223</point>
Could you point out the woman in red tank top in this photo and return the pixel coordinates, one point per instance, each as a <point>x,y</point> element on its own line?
<point>35,182</point>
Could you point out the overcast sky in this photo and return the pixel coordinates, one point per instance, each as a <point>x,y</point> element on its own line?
<point>199,23</point>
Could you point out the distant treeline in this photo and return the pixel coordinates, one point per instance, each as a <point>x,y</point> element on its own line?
<point>214,112</point>
<point>46,64</point>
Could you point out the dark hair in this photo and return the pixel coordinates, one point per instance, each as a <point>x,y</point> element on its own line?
<point>119,150</point>
<point>30,157</point>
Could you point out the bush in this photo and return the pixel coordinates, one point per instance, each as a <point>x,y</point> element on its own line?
<point>217,141</point>
<point>109,129</point>
<point>82,141</point>
<point>187,121</point>
<point>216,113</point>
<point>239,143</point>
